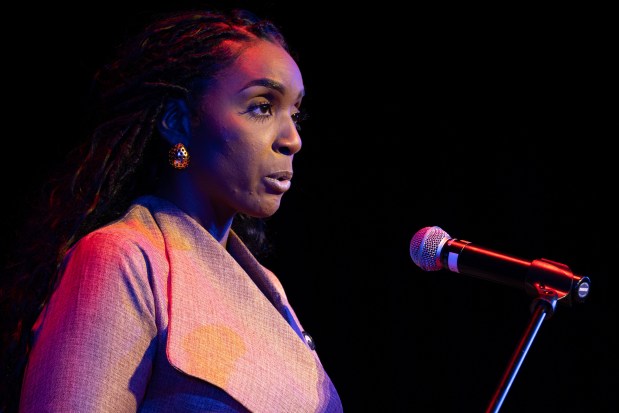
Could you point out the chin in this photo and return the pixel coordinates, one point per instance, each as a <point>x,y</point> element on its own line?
<point>264,209</point>
<point>270,207</point>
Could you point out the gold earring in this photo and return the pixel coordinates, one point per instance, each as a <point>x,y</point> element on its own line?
<point>178,156</point>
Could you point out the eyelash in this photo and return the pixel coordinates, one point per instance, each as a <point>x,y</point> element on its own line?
<point>262,111</point>
<point>299,117</point>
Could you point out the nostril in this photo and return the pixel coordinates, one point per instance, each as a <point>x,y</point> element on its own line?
<point>285,150</point>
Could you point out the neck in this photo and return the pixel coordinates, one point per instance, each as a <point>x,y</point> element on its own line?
<point>199,208</point>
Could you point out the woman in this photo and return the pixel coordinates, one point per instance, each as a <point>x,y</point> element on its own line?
<point>150,300</point>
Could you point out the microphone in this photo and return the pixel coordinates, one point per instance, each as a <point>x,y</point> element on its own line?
<point>433,249</point>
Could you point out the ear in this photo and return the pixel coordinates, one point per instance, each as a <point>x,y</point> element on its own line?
<point>174,124</point>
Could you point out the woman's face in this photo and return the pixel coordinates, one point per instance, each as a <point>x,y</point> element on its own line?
<point>245,135</point>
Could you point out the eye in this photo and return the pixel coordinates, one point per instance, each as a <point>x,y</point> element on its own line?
<point>260,111</point>
<point>297,118</point>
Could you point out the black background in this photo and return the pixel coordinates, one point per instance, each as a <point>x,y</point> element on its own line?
<point>496,123</point>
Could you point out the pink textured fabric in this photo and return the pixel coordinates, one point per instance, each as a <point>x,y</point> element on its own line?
<point>153,314</point>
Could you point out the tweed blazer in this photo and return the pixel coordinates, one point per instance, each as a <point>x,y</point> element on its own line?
<point>152,314</point>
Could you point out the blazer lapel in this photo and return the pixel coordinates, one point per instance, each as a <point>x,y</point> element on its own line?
<point>224,326</point>
<point>265,280</point>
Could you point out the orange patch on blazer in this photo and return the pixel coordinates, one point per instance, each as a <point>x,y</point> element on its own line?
<point>224,352</point>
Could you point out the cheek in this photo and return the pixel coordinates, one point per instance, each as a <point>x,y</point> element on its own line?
<point>227,154</point>
<point>231,144</point>
<point>211,136</point>
<point>242,141</point>
<point>243,159</point>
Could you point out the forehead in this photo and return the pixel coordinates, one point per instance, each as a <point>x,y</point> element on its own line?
<point>263,60</point>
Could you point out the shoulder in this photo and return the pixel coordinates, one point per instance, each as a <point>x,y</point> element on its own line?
<point>136,227</point>
<point>132,241</point>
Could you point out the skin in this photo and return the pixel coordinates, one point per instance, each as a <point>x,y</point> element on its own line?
<point>241,131</point>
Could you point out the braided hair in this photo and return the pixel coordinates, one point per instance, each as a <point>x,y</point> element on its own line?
<point>122,159</point>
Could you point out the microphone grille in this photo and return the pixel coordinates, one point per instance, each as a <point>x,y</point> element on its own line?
<point>424,247</point>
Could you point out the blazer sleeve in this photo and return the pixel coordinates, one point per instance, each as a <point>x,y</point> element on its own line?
<point>95,340</point>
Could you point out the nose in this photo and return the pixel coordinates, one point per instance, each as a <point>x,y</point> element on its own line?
<point>289,141</point>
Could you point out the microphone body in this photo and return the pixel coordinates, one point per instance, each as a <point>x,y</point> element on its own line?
<point>433,249</point>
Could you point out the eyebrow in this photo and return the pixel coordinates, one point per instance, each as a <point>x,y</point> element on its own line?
<point>271,84</point>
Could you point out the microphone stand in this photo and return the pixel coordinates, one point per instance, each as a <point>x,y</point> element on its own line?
<point>543,306</point>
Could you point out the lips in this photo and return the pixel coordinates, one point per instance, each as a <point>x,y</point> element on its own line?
<point>279,182</point>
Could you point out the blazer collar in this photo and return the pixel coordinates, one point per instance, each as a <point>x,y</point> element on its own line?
<point>225,323</point>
